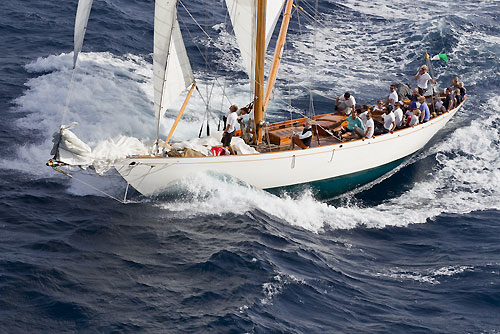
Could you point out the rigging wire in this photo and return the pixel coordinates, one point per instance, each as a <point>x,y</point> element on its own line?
<point>210,39</point>
<point>215,45</point>
<point>314,9</point>
<point>207,106</point>
<point>89,185</point>
<point>311,19</point>
<point>216,73</point>
<point>211,116</point>
<point>222,102</point>
<point>317,22</point>
<point>315,28</point>
<point>313,72</point>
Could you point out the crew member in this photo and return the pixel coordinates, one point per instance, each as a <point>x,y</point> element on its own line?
<point>227,135</point>
<point>304,139</point>
<point>422,78</point>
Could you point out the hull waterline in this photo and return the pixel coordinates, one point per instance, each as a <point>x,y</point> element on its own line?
<point>329,188</point>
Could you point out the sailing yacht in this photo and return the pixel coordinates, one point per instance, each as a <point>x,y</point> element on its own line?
<point>330,165</point>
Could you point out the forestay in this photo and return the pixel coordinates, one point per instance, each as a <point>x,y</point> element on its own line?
<point>243,14</point>
<point>172,72</point>
<point>82,17</point>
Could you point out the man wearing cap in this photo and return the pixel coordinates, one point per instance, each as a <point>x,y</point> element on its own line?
<point>304,139</point>
<point>422,78</point>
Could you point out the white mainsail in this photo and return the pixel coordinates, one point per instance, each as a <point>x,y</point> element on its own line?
<point>172,72</point>
<point>243,14</point>
<point>82,17</point>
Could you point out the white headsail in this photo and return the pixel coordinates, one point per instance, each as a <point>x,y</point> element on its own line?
<point>82,17</point>
<point>172,72</point>
<point>243,15</point>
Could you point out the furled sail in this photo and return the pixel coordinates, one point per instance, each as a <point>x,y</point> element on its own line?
<point>172,72</point>
<point>243,15</point>
<point>82,17</point>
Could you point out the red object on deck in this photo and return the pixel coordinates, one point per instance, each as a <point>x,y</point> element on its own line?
<point>408,121</point>
<point>217,151</point>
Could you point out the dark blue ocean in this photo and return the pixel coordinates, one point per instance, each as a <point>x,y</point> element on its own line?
<point>417,251</point>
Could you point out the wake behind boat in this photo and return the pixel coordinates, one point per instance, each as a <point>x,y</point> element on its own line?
<point>266,159</point>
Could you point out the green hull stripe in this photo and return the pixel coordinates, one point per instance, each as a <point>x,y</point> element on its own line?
<point>335,186</point>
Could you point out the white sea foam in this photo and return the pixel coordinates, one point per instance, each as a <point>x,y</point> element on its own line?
<point>451,270</point>
<point>428,276</point>
<point>274,288</point>
<point>110,96</point>
<point>97,102</point>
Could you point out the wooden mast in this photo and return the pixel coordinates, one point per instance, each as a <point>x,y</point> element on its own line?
<point>278,52</point>
<point>259,69</point>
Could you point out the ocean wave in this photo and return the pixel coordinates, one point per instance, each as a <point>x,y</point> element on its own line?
<point>428,276</point>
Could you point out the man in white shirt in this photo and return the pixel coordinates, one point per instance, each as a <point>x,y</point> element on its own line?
<point>398,115</point>
<point>227,135</point>
<point>362,114</point>
<point>439,107</point>
<point>369,126</point>
<point>345,104</point>
<point>422,78</point>
<point>389,120</point>
<point>393,96</point>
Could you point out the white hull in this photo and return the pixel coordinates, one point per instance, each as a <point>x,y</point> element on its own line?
<point>279,169</point>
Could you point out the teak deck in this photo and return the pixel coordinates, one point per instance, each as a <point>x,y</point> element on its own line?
<point>280,133</point>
